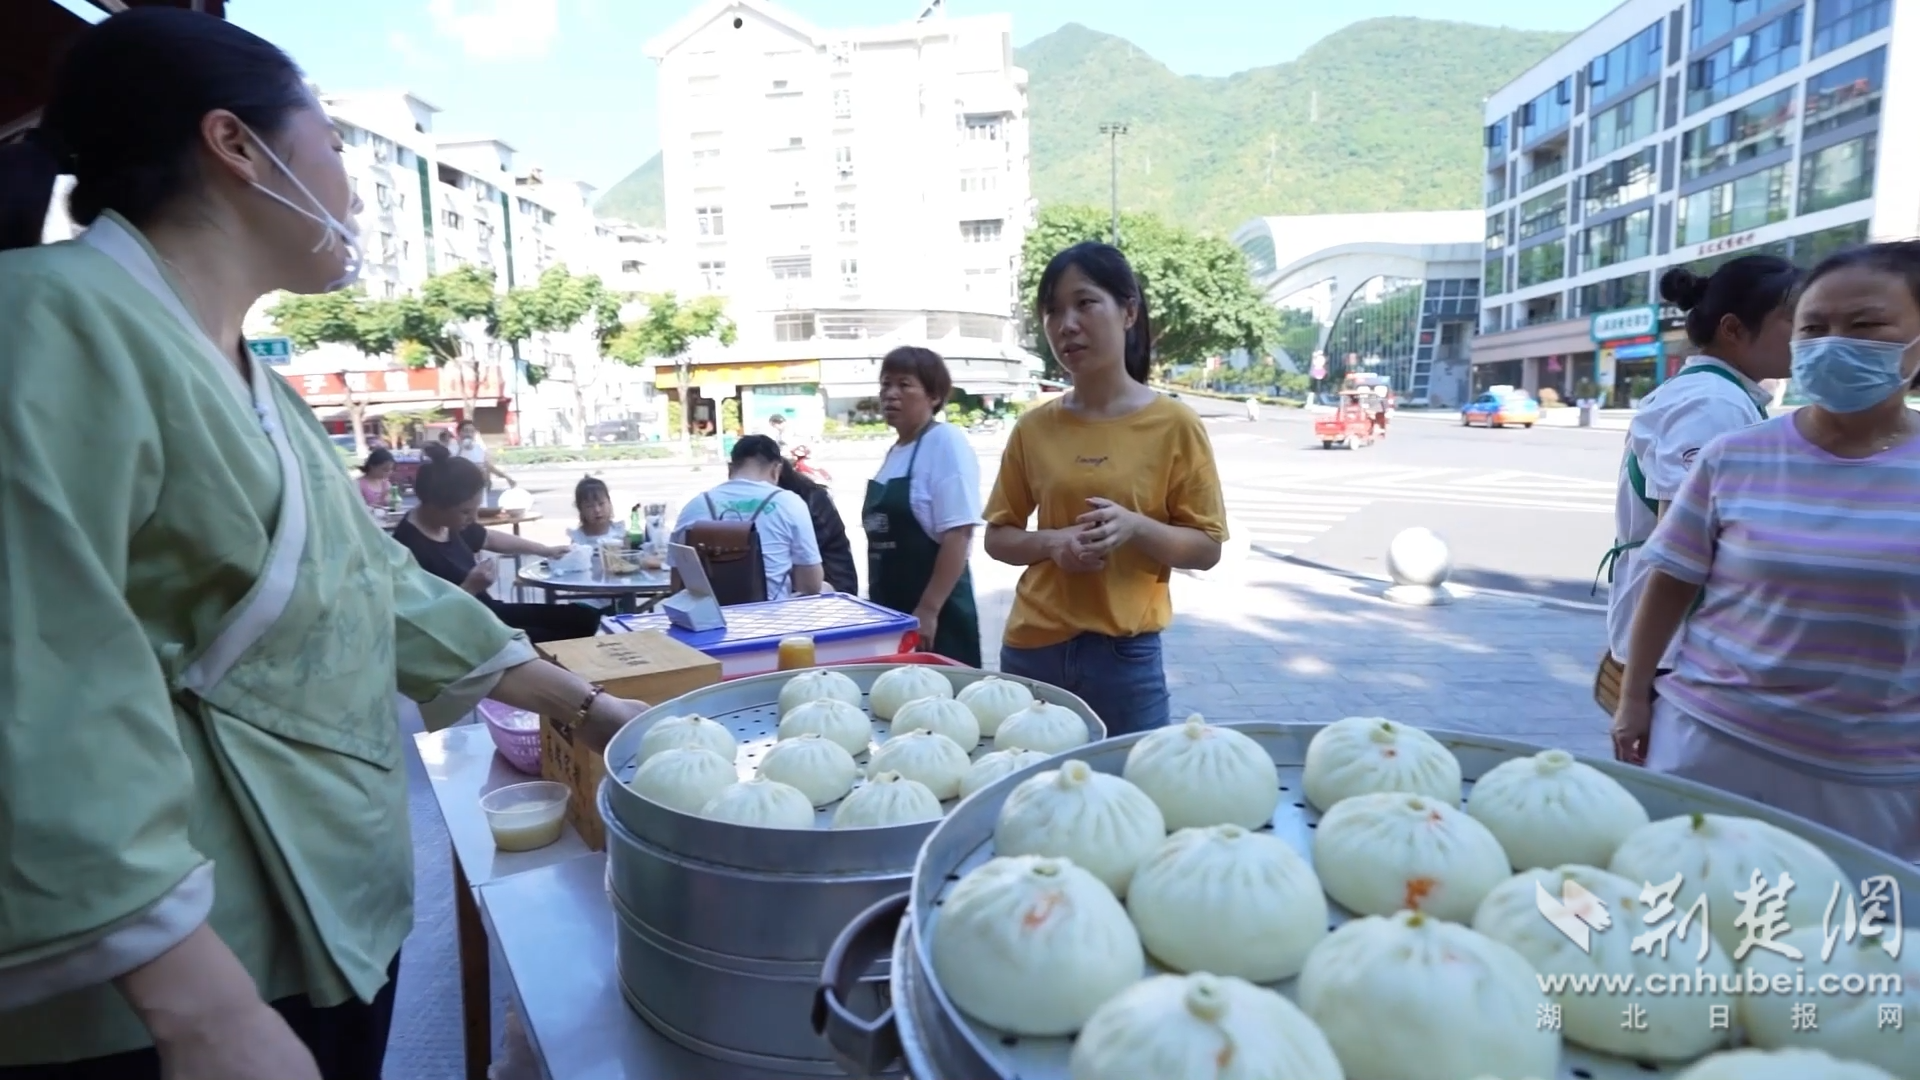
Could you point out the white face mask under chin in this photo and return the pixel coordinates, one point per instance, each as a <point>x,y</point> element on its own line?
<point>333,235</point>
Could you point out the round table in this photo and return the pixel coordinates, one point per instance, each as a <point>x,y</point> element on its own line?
<point>644,588</point>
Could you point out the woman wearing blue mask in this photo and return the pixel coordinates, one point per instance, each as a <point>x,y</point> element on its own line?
<point>1786,565</point>
<point>205,867</point>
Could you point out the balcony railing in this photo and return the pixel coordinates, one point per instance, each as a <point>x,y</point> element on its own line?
<point>1542,174</point>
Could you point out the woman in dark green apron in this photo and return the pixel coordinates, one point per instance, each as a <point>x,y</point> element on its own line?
<point>922,508</point>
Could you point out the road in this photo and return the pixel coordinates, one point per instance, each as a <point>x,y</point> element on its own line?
<point>1524,511</point>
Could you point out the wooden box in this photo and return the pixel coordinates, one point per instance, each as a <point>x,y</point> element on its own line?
<point>647,666</point>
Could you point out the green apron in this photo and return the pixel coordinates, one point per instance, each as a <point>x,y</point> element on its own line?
<point>1637,480</point>
<point>900,560</point>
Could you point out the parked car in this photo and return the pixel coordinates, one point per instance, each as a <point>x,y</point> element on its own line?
<point>614,431</point>
<point>1501,408</point>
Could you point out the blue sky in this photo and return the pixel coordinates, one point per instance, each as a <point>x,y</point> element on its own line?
<point>568,84</point>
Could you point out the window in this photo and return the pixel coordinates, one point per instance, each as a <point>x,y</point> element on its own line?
<point>794,142</point>
<point>1541,263</point>
<point>1810,249</point>
<point>711,221</point>
<point>791,267</point>
<point>982,128</point>
<point>1611,294</point>
<point>1713,18</point>
<point>714,275</point>
<point>1496,275</point>
<point>1544,213</point>
<point>793,326</point>
<point>843,104</point>
<point>1841,22</point>
<point>1496,231</point>
<point>1737,136</point>
<point>1735,207</point>
<point>1620,240</point>
<point>632,266</point>
<point>1846,92</point>
<point>843,161</point>
<point>1745,62</point>
<point>850,274</point>
<point>1618,183</point>
<point>849,222</point>
<point>1547,113</point>
<point>451,220</point>
<point>788,217</point>
<point>1496,137</point>
<point>975,183</point>
<point>706,159</point>
<point>702,86</point>
<point>1631,62</point>
<point>980,232</point>
<point>1838,174</point>
<point>1628,122</point>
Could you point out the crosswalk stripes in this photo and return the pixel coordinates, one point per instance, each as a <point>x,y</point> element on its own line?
<point>1492,489</point>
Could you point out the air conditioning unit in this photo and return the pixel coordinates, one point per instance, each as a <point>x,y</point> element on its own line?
<point>846,172</point>
<point>381,154</point>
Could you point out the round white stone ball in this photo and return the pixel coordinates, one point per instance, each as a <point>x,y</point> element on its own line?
<point>1419,557</point>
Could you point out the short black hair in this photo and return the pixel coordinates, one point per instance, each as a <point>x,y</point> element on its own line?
<point>442,484</point>
<point>760,448</point>
<point>587,488</point>
<point>377,457</point>
<point>1749,288</point>
<point>926,367</point>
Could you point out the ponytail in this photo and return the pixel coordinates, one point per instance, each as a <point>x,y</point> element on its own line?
<point>29,168</point>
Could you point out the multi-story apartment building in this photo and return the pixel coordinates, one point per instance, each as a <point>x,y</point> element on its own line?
<point>847,191</point>
<point>435,202</point>
<point>1670,135</point>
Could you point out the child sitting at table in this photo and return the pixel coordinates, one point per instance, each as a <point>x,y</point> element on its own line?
<point>594,503</point>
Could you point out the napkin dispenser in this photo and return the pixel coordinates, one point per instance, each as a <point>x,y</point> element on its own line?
<point>693,608</point>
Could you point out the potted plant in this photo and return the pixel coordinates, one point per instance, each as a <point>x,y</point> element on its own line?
<point>1637,388</point>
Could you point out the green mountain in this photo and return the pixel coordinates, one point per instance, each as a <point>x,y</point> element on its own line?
<point>640,197</point>
<point>1382,115</point>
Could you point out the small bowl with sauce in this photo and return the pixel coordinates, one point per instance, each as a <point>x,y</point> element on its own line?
<point>525,817</point>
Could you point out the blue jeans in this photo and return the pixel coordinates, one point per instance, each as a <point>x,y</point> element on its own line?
<point>1121,678</point>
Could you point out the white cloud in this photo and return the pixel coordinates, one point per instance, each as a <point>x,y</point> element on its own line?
<point>498,29</point>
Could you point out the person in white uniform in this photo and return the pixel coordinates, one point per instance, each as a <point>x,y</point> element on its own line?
<point>1740,320</point>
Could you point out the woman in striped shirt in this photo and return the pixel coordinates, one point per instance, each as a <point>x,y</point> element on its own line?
<point>1797,680</point>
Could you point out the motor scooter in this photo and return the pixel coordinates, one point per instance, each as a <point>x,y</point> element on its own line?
<point>806,468</point>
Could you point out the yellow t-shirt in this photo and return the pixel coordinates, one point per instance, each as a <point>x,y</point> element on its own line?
<point>1157,461</point>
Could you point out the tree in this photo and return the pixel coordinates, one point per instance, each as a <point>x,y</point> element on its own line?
<point>668,331</point>
<point>557,303</point>
<point>1200,294</point>
<point>448,320</point>
<point>346,317</point>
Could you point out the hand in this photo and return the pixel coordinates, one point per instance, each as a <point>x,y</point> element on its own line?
<point>481,577</point>
<point>559,551</point>
<point>1632,722</point>
<point>1107,526</point>
<point>1070,554</point>
<point>929,626</point>
<point>606,717</point>
<point>251,1043</point>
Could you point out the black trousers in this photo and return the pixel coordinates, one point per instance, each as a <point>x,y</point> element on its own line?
<point>549,622</point>
<point>348,1041</point>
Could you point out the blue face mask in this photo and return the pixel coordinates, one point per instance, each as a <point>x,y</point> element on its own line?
<point>1849,375</point>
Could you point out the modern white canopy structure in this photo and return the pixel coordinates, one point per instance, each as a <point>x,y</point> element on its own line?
<point>1397,293</point>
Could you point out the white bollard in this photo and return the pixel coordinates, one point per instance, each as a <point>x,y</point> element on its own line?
<point>1419,561</point>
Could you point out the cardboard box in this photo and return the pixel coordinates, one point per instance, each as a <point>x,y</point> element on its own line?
<point>647,666</point>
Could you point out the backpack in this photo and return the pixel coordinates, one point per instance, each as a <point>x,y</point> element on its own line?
<point>730,554</point>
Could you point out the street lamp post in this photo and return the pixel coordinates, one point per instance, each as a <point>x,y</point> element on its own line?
<point>1113,131</point>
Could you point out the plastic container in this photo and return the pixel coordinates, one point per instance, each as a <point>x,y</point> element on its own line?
<point>845,630</point>
<point>526,817</point>
<point>516,734</point>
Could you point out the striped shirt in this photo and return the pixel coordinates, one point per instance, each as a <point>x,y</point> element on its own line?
<point>1808,641</point>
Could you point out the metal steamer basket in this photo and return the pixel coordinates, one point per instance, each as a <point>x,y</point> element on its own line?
<point>935,1041</point>
<point>720,928</point>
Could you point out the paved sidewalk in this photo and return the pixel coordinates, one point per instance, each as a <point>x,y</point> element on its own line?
<point>1268,640</point>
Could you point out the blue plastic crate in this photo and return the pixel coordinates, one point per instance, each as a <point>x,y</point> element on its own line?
<point>836,622</point>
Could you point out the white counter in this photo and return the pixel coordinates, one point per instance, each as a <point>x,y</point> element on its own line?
<point>462,766</point>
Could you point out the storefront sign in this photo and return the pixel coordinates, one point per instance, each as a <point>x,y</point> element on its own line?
<point>1626,323</point>
<point>730,375</point>
<point>1723,245</point>
<point>273,351</point>
<point>1638,350</point>
<point>395,385</point>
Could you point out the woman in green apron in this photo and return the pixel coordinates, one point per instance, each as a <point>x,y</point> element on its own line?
<point>206,870</point>
<point>922,508</point>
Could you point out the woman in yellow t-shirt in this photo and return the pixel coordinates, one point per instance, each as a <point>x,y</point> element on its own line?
<point>1124,484</point>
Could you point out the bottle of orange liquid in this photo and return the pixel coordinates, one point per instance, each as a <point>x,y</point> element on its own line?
<point>796,652</point>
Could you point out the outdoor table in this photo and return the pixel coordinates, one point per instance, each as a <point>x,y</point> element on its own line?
<point>641,590</point>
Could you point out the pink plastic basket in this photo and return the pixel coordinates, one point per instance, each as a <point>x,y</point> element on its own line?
<point>516,734</point>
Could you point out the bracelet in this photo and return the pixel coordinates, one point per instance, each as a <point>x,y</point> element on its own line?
<point>586,704</point>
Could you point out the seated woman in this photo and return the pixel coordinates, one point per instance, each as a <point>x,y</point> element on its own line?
<point>836,552</point>
<point>376,478</point>
<point>446,538</point>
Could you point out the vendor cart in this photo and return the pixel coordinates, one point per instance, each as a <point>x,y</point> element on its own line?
<point>1353,423</point>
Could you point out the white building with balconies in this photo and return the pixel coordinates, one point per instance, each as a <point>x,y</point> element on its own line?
<point>1686,134</point>
<point>846,191</point>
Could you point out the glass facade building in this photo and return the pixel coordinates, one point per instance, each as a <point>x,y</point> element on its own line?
<point>1677,134</point>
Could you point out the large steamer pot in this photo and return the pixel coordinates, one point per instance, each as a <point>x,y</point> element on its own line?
<point>721,929</point>
<point>922,1030</point>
